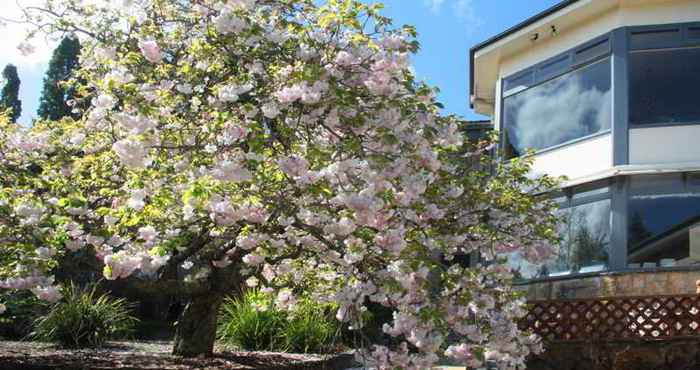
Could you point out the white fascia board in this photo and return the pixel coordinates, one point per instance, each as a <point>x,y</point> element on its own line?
<point>629,170</point>
<point>525,32</point>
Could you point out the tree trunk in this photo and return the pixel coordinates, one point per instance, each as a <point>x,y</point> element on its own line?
<point>196,328</point>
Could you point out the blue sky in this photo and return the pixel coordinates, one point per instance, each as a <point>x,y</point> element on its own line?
<point>446,31</point>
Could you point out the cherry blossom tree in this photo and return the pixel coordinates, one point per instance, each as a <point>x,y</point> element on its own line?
<point>279,144</point>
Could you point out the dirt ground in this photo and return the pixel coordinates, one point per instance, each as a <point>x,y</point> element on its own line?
<point>152,356</point>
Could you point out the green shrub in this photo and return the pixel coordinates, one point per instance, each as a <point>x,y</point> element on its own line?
<point>253,323</point>
<point>312,328</point>
<point>85,318</point>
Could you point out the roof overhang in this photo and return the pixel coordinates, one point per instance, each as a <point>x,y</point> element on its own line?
<point>562,21</point>
<point>486,56</point>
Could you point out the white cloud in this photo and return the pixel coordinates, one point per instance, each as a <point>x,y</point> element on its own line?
<point>434,5</point>
<point>465,10</point>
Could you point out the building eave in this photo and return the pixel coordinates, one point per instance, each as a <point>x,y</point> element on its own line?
<point>506,33</point>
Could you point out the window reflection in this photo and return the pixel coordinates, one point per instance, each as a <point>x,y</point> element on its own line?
<point>568,107</point>
<point>663,86</point>
<point>663,213</point>
<point>585,245</point>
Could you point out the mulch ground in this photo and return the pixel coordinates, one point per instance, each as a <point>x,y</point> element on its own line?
<point>152,355</point>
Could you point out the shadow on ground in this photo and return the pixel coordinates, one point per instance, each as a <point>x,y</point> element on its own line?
<point>153,355</point>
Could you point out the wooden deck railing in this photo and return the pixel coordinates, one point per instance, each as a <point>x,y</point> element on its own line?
<point>654,317</point>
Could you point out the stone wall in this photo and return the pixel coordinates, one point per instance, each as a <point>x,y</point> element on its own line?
<point>618,284</point>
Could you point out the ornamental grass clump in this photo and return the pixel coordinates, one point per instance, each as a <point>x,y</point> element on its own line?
<point>312,328</point>
<point>85,318</point>
<point>253,323</point>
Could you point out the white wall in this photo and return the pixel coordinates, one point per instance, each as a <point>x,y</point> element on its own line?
<point>664,145</point>
<point>577,160</point>
<point>659,12</point>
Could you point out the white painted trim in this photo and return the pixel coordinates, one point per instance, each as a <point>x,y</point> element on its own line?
<point>629,170</point>
<point>533,27</point>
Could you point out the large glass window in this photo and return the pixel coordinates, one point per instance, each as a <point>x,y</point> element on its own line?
<point>664,220</point>
<point>585,242</point>
<point>663,86</point>
<point>565,108</point>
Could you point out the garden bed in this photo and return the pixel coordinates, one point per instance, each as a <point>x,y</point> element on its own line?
<point>152,355</point>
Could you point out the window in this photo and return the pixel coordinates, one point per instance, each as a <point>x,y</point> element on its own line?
<point>663,220</point>
<point>663,86</point>
<point>568,107</point>
<point>585,238</point>
<point>654,38</point>
<point>595,49</point>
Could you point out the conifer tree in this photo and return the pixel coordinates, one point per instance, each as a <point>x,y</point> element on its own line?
<point>9,96</point>
<point>55,95</point>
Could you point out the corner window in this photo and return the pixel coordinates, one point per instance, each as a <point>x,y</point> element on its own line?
<point>663,86</point>
<point>664,221</point>
<point>584,228</point>
<point>571,106</point>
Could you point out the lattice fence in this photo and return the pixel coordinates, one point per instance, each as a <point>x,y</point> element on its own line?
<point>658,317</point>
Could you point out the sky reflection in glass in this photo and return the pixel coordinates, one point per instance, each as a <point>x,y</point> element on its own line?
<point>565,108</point>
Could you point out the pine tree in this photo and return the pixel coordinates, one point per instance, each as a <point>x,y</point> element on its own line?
<point>55,95</point>
<point>9,97</point>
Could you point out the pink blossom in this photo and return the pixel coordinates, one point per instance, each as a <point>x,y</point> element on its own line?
<point>151,51</point>
<point>120,265</point>
<point>132,153</point>
<point>231,171</point>
<point>391,240</point>
<point>270,110</point>
<point>222,263</point>
<point>343,227</point>
<point>293,166</point>
<point>47,293</point>
<point>148,233</point>
<point>227,22</point>
<point>253,259</point>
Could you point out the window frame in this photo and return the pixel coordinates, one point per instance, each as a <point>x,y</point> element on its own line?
<point>620,45</point>
<point>566,199</point>
<point>633,125</point>
<point>686,179</point>
<point>572,69</point>
<point>688,36</point>
<point>537,77</point>
<point>682,41</point>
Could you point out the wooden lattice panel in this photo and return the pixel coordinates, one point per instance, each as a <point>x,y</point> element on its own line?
<point>657,317</point>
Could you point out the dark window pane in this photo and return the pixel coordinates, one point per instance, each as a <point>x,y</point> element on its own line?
<point>655,184</point>
<point>585,246</point>
<point>553,68</point>
<point>694,32</point>
<point>693,181</point>
<point>568,107</point>
<point>663,86</point>
<point>521,81</point>
<point>590,190</point>
<point>592,51</point>
<point>655,38</point>
<point>662,215</point>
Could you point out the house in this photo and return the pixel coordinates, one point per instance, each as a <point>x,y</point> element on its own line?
<point>603,92</point>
